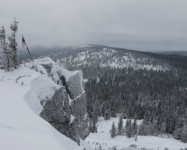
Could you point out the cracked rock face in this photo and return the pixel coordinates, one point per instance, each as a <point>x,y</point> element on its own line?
<point>67,109</point>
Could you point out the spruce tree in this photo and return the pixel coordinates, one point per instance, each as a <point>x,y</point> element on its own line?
<point>136,137</point>
<point>177,133</point>
<point>142,129</point>
<point>134,128</point>
<point>170,124</point>
<point>163,127</point>
<point>184,134</point>
<point>92,126</point>
<point>113,130</point>
<point>120,125</point>
<point>128,128</point>
<point>6,53</point>
<point>13,44</point>
<point>107,115</point>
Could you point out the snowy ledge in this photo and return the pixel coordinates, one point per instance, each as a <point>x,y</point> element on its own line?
<point>20,126</point>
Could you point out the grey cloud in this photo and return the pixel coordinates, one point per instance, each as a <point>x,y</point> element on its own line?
<point>135,24</point>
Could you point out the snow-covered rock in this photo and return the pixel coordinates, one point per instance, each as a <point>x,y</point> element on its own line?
<point>69,100</point>
<point>25,94</point>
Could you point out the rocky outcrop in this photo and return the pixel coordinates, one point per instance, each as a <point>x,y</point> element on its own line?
<point>66,110</point>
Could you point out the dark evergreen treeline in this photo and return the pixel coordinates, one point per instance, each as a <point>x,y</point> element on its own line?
<point>158,97</point>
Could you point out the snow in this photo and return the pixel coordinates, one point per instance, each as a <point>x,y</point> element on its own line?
<point>57,70</point>
<point>72,100</point>
<point>41,89</point>
<point>103,138</point>
<point>20,127</point>
<point>41,69</point>
<point>85,80</point>
<point>72,118</point>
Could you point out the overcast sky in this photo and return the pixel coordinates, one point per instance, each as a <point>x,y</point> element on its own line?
<point>135,24</point>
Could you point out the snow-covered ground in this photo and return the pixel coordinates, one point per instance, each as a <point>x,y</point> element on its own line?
<point>21,128</point>
<point>104,140</point>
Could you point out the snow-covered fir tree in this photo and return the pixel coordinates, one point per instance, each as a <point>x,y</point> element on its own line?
<point>128,128</point>
<point>5,50</point>
<point>92,125</point>
<point>120,125</point>
<point>134,128</point>
<point>107,115</point>
<point>184,134</point>
<point>13,44</point>
<point>93,120</point>
<point>113,130</point>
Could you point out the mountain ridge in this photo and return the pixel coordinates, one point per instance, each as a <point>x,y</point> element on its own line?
<point>104,56</point>
<point>58,53</point>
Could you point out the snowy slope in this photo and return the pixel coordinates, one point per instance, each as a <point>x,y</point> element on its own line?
<point>103,139</point>
<point>20,126</point>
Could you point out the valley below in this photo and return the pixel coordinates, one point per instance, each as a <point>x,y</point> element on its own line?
<point>103,141</point>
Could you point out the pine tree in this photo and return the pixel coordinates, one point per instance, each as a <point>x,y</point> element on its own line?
<point>107,115</point>
<point>128,128</point>
<point>134,128</point>
<point>113,130</point>
<point>120,125</point>
<point>136,137</point>
<point>170,124</point>
<point>142,129</point>
<point>184,134</point>
<point>177,133</point>
<point>163,127</point>
<point>13,44</point>
<point>6,54</point>
<point>92,126</point>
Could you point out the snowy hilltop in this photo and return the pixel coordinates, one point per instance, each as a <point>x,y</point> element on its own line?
<point>109,57</point>
<point>42,89</point>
